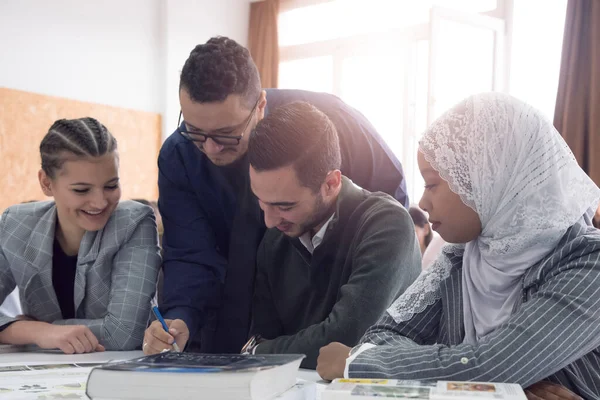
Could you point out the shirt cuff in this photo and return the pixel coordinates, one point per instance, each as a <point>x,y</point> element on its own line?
<point>355,353</point>
<point>186,314</point>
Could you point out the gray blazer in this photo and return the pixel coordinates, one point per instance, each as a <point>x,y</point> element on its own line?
<point>553,334</point>
<point>117,269</point>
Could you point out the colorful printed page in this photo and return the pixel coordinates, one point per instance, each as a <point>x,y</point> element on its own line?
<point>44,382</point>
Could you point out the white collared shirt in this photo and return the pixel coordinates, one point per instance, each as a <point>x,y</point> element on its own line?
<point>312,244</point>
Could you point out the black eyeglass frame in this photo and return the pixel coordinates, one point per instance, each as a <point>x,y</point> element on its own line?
<point>224,140</point>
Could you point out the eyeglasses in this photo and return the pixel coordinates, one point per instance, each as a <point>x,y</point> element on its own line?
<point>222,139</point>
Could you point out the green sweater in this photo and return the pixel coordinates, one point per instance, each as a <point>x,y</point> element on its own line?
<point>368,257</point>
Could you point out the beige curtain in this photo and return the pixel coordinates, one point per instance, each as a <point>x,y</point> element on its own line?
<point>577,113</point>
<point>263,40</point>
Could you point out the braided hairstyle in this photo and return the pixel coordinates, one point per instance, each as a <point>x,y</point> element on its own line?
<point>82,137</point>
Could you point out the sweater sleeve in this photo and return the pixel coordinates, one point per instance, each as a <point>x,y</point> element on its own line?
<point>265,320</point>
<point>384,263</point>
<point>194,269</point>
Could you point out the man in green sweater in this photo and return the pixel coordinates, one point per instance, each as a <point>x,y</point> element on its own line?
<point>335,256</point>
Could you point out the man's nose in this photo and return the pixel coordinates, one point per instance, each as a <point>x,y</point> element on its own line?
<point>212,147</point>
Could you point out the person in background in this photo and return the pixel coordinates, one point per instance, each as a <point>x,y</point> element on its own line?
<point>213,224</point>
<point>335,256</point>
<point>85,264</point>
<point>159,224</point>
<point>431,244</point>
<point>160,279</point>
<point>422,227</point>
<point>516,297</point>
<point>142,201</point>
<point>433,251</point>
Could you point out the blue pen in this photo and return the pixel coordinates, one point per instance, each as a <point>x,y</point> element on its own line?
<point>162,321</point>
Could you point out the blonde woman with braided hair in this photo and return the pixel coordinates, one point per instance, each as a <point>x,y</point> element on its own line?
<point>85,264</point>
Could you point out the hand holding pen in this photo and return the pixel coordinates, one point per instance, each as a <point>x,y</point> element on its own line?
<point>164,334</point>
<point>159,317</point>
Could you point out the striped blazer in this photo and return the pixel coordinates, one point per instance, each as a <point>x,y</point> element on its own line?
<point>553,333</point>
<point>117,268</point>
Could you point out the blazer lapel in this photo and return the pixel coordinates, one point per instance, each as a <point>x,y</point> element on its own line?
<point>88,253</point>
<point>39,292</point>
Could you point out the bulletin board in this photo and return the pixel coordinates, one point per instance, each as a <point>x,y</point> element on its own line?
<point>26,117</point>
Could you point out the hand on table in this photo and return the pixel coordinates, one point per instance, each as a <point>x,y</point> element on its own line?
<point>332,361</point>
<point>549,391</point>
<point>70,339</point>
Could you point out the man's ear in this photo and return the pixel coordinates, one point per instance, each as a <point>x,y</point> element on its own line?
<point>333,182</point>
<point>45,183</point>
<point>262,104</point>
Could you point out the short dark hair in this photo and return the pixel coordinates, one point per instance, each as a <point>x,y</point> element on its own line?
<point>219,68</point>
<point>420,219</point>
<point>83,137</point>
<point>418,216</point>
<point>296,134</point>
<point>142,201</point>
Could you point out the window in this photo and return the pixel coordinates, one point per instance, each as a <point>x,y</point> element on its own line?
<point>335,19</point>
<point>311,73</point>
<point>403,62</point>
<point>467,57</point>
<point>535,78</point>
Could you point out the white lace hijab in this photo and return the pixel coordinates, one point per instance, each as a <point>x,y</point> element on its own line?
<point>507,162</point>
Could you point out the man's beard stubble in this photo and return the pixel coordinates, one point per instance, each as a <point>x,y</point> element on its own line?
<point>322,212</point>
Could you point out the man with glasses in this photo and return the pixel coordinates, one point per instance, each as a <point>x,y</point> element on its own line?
<point>212,222</point>
<point>223,137</point>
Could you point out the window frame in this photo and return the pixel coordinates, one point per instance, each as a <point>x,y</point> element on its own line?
<point>407,38</point>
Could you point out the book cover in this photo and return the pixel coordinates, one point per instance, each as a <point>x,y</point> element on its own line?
<point>357,389</point>
<point>202,363</point>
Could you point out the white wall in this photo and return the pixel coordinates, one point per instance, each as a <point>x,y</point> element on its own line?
<point>188,23</point>
<point>125,53</point>
<point>102,52</point>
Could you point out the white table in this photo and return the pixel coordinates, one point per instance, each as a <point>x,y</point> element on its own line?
<point>27,372</point>
<point>56,357</point>
<point>311,376</point>
<point>19,356</point>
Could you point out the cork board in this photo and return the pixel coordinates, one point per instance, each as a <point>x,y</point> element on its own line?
<point>24,120</point>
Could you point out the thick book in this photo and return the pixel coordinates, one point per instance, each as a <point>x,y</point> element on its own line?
<point>172,375</point>
<point>302,390</point>
<point>366,389</point>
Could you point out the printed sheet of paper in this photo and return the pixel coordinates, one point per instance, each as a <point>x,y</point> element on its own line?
<point>44,382</point>
<point>48,374</point>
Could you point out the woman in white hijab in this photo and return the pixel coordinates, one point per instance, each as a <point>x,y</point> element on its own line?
<point>517,297</point>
